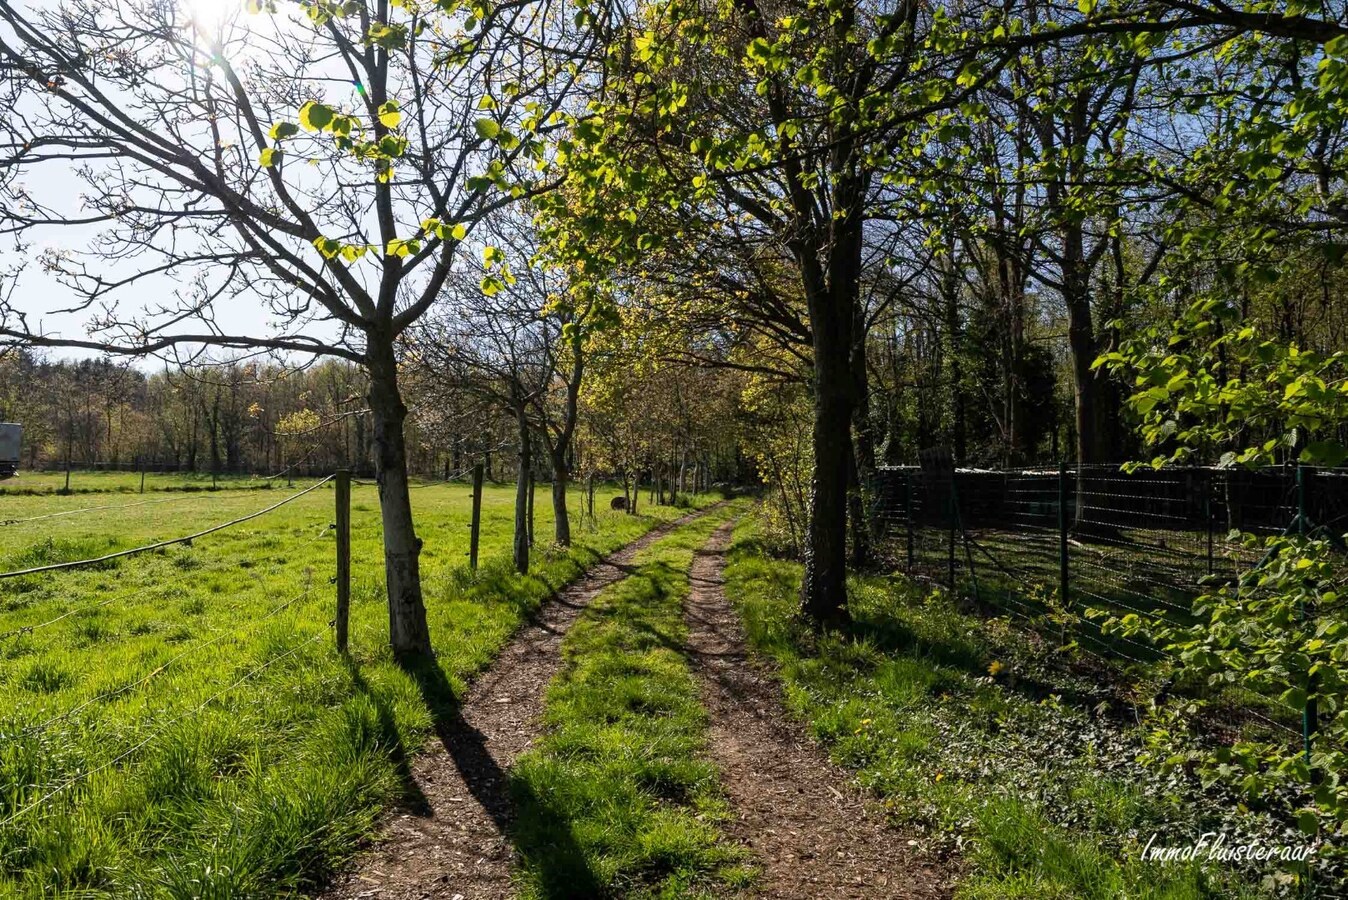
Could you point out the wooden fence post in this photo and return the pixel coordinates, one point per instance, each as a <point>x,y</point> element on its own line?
<point>476,526</point>
<point>343,557</point>
<point>531,506</point>
<point>140,466</point>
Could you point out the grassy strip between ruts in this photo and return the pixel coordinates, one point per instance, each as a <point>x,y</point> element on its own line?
<point>619,799</point>
<point>149,749</point>
<point>1038,798</point>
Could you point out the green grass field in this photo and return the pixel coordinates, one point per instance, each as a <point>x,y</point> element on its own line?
<point>100,482</point>
<point>178,723</point>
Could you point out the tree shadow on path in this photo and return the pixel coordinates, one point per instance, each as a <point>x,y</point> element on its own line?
<point>542,838</point>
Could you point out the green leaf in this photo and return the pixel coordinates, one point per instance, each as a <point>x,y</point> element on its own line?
<point>315,116</point>
<point>269,157</point>
<point>282,130</point>
<point>327,246</point>
<point>758,50</point>
<point>389,115</point>
<point>1324,453</point>
<point>1308,822</point>
<point>487,128</point>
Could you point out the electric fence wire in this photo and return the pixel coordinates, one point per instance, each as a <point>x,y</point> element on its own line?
<point>161,668</point>
<point>194,711</point>
<point>85,509</point>
<point>29,629</point>
<point>51,567</point>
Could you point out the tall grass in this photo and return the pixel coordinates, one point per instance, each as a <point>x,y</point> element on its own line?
<point>183,727</point>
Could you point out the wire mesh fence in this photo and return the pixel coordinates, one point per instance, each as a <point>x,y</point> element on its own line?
<point>1063,550</point>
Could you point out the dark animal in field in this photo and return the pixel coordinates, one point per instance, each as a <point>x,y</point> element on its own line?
<point>618,503</point>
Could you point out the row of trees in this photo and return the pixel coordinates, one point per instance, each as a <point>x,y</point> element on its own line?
<point>930,214</point>
<point>231,417</point>
<point>911,219</point>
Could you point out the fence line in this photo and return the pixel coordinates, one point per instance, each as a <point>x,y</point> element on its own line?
<point>195,648</point>
<point>158,544</point>
<point>1054,542</point>
<point>85,509</point>
<point>28,629</point>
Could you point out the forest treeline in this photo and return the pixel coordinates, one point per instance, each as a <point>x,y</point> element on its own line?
<point>263,418</point>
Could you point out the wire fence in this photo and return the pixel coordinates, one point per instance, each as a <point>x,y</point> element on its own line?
<point>1062,550</point>
<point>20,800</point>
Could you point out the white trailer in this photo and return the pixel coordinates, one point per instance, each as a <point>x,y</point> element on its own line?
<point>11,439</point>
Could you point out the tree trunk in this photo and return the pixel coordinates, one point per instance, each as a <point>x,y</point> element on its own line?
<point>1090,388</point>
<point>832,293</point>
<point>408,633</point>
<point>560,517</point>
<point>862,470</point>
<point>831,306</point>
<point>824,584</point>
<point>532,482</point>
<point>521,543</point>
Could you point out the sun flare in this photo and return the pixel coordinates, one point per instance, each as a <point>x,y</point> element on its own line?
<point>212,14</point>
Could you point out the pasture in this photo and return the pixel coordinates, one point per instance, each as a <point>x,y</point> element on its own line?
<point>178,723</point>
<point>109,482</point>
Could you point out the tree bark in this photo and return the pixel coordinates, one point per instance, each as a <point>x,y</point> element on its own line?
<point>832,300</point>
<point>824,585</point>
<point>408,632</point>
<point>560,517</point>
<point>862,471</point>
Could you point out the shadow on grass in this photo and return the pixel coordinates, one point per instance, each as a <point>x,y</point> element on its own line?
<point>410,795</point>
<point>541,836</point>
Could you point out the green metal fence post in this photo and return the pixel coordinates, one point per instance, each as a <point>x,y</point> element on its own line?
<point>950,555</point>
<point>1309,714</point>
<point>1207,514</point>
<point>908,512</point>
<point>343,534</point>
<point>1062,534</point>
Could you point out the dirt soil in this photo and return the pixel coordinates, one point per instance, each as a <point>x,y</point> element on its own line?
<point>811,830</point>
<point>450,840</point>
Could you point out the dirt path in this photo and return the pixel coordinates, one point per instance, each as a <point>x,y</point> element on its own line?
<point>452,843</point>
<point>807,825</point>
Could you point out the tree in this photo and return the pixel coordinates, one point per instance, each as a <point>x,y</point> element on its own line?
<point>495,342</point>
<point>323,163</point>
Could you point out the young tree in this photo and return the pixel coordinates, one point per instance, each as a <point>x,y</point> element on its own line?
<point>320,162</point>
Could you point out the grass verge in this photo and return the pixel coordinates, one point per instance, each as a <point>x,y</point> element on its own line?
<point>1037,798</point>
<point>178,723</point>
<point>618,799</point>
